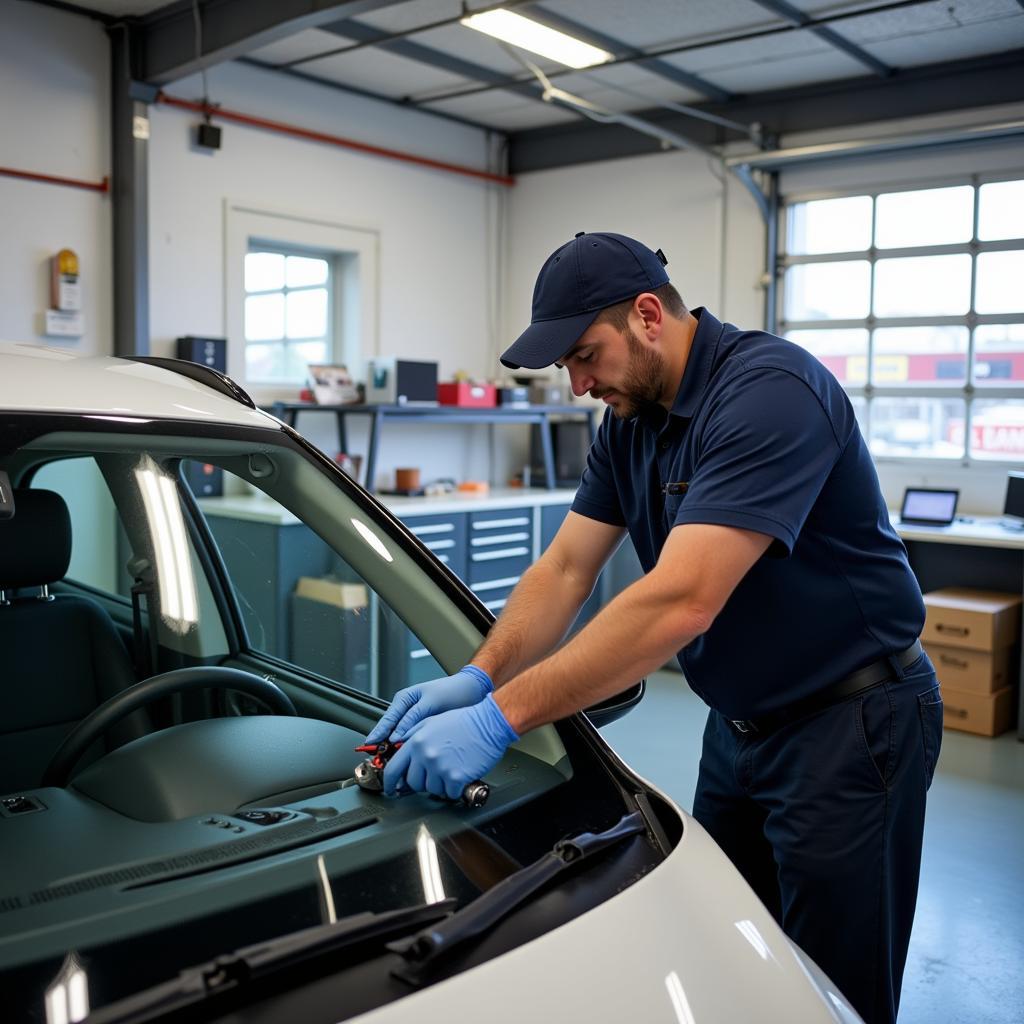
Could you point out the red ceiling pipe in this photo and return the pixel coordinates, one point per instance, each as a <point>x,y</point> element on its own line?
<point>49,179</point>
<point>208,110</point>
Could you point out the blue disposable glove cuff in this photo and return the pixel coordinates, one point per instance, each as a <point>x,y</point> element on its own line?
<point>493,721</point>
<point>478,673</point>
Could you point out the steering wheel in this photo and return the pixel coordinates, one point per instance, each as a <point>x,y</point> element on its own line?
<point>59,770</point>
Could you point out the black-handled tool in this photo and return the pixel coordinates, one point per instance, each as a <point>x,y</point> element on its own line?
<point>369,774</point>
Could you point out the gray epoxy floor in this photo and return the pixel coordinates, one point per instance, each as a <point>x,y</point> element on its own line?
<point>966,963</point>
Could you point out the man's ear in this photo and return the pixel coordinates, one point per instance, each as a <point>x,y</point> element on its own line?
<point>648,309</point>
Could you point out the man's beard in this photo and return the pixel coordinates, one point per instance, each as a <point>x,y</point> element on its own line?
<point>642,384</point>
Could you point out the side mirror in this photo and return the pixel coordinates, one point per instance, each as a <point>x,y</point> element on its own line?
<point>613,708</point>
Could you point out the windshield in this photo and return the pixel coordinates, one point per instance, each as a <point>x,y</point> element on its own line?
<point>197,823</point>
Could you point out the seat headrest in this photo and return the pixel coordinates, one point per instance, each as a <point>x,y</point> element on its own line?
<point>35,545</point>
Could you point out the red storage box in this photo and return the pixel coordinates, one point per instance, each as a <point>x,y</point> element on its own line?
<point>463,393</point>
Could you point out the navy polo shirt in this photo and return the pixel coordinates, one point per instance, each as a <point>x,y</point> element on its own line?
<point>764,438</point>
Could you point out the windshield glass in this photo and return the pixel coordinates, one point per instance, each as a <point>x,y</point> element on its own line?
<point>197,823</point>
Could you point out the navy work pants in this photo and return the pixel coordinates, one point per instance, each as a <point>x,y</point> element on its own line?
<point>824,818</point>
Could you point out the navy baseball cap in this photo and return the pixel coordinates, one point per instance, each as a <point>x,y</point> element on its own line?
<point>577,281</point>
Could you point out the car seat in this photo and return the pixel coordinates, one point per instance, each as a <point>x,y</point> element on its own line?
<point>61,655</point>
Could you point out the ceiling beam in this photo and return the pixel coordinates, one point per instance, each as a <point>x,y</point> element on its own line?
<point>918,92</point>
<point>167,44</point>
<point>797,17</point>
<point>618,48</point>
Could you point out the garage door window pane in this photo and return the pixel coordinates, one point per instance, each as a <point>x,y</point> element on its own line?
<point>844,352</point>
<point>923,286</point>
<point>998,354</point>
<point>997,429</point>
<point>1001,210</point>
<point>830,225</point>
<point>828,291</point>
<point>1000,286</point>
<point>934,216</point>
<point>919,427</point>
<point>920,355</point>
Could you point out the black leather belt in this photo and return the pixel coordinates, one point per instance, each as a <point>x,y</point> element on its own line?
<point>863,679</point>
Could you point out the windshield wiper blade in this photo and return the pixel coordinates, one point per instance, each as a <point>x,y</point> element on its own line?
<point>230,970</point>
<point>421,951</point>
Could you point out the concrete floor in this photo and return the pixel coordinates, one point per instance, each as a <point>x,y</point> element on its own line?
<point>966,962</point>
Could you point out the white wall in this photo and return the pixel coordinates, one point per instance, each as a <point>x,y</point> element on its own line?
<point>54,120</point>
<point>436,251</point>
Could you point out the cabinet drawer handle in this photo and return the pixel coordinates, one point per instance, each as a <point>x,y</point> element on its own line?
<point>496,524</point>
<point>443,558</point>
<point>423,531</point>
<point>954,630</point>
<point>421,653</point>
<point>493,606</point>
<point>948,659</point>
<point>505,581</point>
<point>487,556</point>
<point>501,538</point>
<point>439,545</point>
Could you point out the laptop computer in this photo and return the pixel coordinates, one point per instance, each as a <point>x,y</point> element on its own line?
<point>929,506</point>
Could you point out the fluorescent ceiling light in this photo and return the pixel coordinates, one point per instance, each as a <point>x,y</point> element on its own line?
<point>531,35</point>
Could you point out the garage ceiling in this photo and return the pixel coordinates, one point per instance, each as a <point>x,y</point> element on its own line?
<point>786,64</point>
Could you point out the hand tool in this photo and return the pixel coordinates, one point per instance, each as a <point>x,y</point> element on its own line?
<point>369,774</point>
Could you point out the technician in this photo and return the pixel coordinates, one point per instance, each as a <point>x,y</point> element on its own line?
<point>734,461</point>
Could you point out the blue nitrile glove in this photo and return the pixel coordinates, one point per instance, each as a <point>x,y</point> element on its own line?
<point>445,753</point>
<point>411,705</point>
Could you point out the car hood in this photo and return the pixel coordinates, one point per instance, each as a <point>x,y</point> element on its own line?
<point>688,943</point>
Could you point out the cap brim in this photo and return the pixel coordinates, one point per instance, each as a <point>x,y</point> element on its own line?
<point>546,341</point>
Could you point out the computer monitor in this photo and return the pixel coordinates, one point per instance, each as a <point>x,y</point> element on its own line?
<point>929,506</point>
<point>1013,506</point>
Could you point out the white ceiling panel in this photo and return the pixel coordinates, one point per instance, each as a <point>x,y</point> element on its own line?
<point>916,24</point>
<point>307,43</point>
<point>505,113</point>
<point>778,62</point>
<point>633,90</point>
<point>657,23</point>
<point>960,43</point>
<point>402,17</point>
<point>382,72</point>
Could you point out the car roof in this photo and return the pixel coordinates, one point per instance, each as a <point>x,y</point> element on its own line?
<point>36,378</point>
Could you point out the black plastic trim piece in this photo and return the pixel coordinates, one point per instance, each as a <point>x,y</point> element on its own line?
<point>202,374</point>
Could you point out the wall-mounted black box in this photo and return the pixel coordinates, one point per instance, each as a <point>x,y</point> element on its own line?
<point>212,352</point>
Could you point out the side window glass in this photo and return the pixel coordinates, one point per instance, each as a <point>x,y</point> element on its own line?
<point>300,600</point>
<point>94,525</point>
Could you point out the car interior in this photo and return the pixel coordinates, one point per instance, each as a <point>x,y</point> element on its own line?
<point>161,762</point>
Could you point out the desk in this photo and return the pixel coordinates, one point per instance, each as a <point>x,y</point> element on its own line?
<point>978,552</point>
<point>536,414</point>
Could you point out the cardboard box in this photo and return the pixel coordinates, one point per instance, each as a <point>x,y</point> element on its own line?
<point>466,394</point>
<point>328,591</point>
<point>983,714</point>
<point>973,671</point>
<point>980,620</point>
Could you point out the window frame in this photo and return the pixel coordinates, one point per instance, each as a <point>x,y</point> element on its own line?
<point>865,394</point>
<point>355,302</point>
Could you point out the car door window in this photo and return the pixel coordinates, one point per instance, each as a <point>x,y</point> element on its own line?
<point>94,532</point>
<point>301,602</point>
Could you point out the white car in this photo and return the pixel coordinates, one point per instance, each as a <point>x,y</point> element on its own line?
<point>182,835</point>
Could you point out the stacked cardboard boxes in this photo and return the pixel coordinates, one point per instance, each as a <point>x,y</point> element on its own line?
<point>971,637</point>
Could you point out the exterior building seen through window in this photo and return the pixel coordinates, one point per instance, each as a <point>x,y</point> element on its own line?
<point>915,301</point>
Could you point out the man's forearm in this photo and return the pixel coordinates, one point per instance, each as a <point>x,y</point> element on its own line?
<point>533,622</point>
<point>635,634</point>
